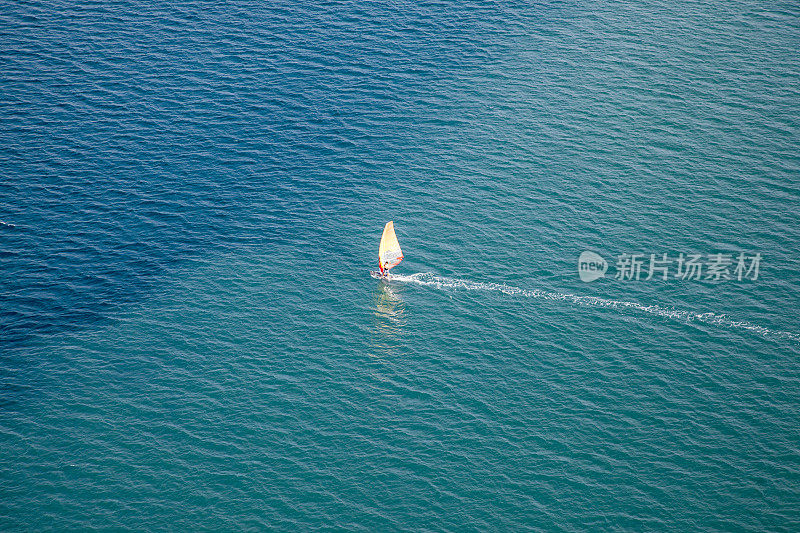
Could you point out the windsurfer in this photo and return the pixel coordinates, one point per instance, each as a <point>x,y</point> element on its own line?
<point>389,252</point>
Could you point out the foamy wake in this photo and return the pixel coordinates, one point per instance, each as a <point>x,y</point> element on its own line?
<point>440,282</point>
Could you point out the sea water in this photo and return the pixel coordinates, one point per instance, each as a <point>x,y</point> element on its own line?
<point>191,200</point>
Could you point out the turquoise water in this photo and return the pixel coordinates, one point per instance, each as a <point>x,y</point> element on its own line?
<point>192,197</point>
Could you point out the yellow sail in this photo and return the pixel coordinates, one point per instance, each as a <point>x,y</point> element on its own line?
<point>389,253</point>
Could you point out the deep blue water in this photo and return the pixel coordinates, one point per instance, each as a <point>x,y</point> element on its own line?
<point>191,197</point>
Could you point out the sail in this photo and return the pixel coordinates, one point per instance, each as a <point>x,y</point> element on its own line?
<point>389,253</point>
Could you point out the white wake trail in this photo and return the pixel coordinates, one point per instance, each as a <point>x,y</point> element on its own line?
<point>440,282</point>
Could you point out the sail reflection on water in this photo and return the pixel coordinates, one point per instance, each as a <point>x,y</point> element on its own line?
<point>389,319</point>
